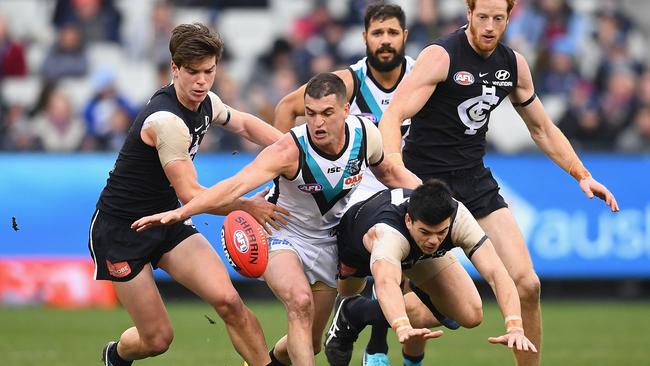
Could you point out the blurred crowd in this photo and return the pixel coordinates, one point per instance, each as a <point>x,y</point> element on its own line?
<point>589,66</point>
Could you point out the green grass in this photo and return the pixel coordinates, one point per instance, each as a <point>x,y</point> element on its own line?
<point>576,333</point>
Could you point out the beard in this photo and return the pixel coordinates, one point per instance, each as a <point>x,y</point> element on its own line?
<point>385,66</point>
<point>476,40</point>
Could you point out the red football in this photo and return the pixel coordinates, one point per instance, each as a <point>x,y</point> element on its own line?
<point>245,244</point>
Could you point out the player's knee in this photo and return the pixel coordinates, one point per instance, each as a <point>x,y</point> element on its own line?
<point>300,306</point>
<point>529,288</point>
<point>473,317</point>
<point>160,342</point>
<point>229,306</point>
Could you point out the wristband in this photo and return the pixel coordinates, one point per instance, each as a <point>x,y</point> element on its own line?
<point>513,321</point>
<point>400,323</point>
<point>578,171</point>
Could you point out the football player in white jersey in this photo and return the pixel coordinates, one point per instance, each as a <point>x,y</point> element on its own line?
<point>315,167</point>
<point>370,83</point>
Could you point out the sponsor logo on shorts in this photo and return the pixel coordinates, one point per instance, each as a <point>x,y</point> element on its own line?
<point>464,78</point>
<point>277,241</point>
<point>240,241</point>
<point>310,187</point>
<point>119,269</point>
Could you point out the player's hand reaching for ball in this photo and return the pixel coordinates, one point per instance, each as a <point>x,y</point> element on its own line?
<point>515,338</point>
<point>265,212</point>
<point>163,218</point>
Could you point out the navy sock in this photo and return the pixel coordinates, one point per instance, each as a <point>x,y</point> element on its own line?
<point>361,311</point>
<point>377,342</point>
<point>115,358</point>
<point>274,360</point>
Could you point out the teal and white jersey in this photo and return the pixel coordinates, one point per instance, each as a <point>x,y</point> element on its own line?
<point>370,100</point>
<point>317,196</point>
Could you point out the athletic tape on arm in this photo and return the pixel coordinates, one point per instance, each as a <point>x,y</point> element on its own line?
<point>172,136</point>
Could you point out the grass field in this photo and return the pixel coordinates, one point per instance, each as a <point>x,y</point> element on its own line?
<point>576,333</point>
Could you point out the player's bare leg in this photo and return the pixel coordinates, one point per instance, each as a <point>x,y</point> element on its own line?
<point>196,265</point>
<point>286,278</point>
<point>152,333</point>
<point>324,298</point>
<point>502,229</point>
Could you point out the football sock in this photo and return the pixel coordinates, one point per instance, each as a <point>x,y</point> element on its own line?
<point>274,360</point>
<point>366,312</point>
<point>115,358</point>
<point>377,342</point>
<point>412,360</point>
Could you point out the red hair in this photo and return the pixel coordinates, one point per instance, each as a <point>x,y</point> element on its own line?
<point>471,4</point>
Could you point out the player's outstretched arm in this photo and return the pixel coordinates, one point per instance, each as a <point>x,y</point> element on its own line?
<point>430,68</point>
<point>488,264</point>
<point>277,159</point>
<point>550,139</point>
<point>252,128</point>
<point>386,248</point>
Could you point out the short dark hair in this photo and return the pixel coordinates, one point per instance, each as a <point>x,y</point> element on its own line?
<point>380,11</point>
<point>192,42</point>
<point>325,84</point>
<point>431,202</point>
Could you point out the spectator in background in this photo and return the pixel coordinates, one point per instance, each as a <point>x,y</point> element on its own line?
<point>425,27</point>
<point>150,39</point>
<point>102,108</point>
<point>12,54</point>
<point>618,102</point>
<point>581,123</point>
<point>58,127</point>
<point>99,20</point>
<point>16,132</point>
<point>540,26</point>
<point>615,43</point>
<point>636,138</point>
<point>67,57</point>
<point>561,76</point>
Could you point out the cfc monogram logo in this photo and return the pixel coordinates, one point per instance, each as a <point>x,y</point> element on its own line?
<point>474,112</point>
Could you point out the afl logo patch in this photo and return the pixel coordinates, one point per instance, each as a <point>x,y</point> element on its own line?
<point>240,241</point>
<point>310,187</point>
<point>502,74</point>
<point>464,78</point>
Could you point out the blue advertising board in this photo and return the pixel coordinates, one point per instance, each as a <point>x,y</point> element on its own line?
<point>52,198</point>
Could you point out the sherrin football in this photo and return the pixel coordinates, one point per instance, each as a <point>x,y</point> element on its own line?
<point>245,244</point>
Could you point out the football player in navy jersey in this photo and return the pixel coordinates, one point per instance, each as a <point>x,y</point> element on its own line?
<point>455,84</point>
<point>154,170</point>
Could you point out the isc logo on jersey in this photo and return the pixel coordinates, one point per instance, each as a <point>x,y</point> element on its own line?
<point>352,181</point>
<point>464,78</point>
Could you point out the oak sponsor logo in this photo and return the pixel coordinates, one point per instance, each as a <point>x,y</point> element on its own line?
<point>352,181</point>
